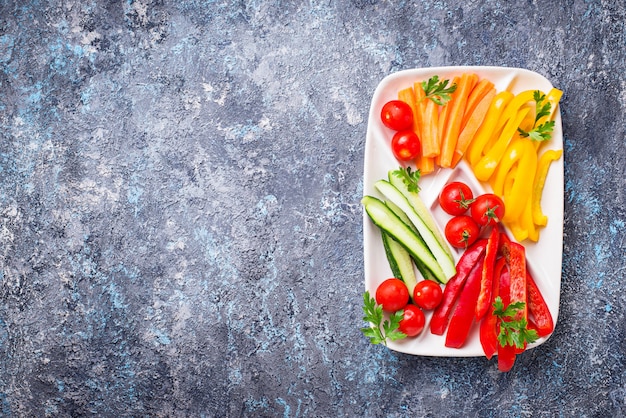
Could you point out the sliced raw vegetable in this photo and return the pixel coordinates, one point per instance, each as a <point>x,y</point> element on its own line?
<point>386,220</point>
<point>488,332</point>
<point>398,180</point>
<point>487,165</point>
<point>487,275</point>
<point>463,315</point>
<point>441,315</point>
<point>540,178</point>
<point>482,88</point>
<point>471,126</point>
<point>400,262</point>
<point>477,149</point>
<point>445,264</point>
<point>538,309</point>
<point>457,106</point>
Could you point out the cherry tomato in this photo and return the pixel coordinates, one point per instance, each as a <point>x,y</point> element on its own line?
<point>461,231</point>
<point>455,198</point>
<point>397,115</point>
<point>487,209</point>
<point>392,295</point>
<point>427,294</point>
<point>406,145</point>
<point>413,322</point>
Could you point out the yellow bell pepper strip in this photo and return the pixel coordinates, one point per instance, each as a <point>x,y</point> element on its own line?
<point>516,228</point>
<point>521,190</point>
<point>509,179</point>
<point>514,106</point>
<point>529,120</point>
<point>527,222</point>
<point>511,156</point>
<point>540,178</point>
<point>477,145</point>
<point>519,233</point>
<point>488,163</point>
<point>554,97</point>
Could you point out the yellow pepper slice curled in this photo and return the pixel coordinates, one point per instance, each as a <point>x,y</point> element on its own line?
<point>540,178</point>
<point>487,165</point>
<point>521,190</point>
<point>511,156</point>
<point>476,147</point>
<point>514,106</point>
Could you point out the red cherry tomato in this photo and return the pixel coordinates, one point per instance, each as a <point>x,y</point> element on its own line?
<point>406,145</point>
<point>455,198</point>
<point>461,231</point>
<point>427,294</point>
<point>397,115</point>
<point>487,209</point>
<point>413,321</point>
<point>392,295</point>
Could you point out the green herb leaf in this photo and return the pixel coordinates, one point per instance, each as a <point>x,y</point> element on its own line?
<point>513,332</point>
<point>374,315</point>
<point>541,109</point>
<point>438,91</point>
<point>409,177</point>
<point>542,132</point>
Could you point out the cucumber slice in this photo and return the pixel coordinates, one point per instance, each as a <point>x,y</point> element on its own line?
<point>443,258</point>
<point>401,215</point>
<point>400,262</point>
<point>425,273</point>
<point>386,220</point>
<point>420,208</point>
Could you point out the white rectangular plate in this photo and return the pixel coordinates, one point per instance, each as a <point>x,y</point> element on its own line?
<point>544,257</point>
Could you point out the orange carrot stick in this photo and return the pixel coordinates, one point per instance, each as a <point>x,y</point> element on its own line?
<point>453,124</point>
<point>425,164</point>
<point>407,95</point>
<point>420,105</point>
<point>444,114</point>
<point>483,87</point>
<point>473,123</point>
<point>430,144</point>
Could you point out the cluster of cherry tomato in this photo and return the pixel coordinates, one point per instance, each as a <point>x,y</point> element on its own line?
<point>393,295</point>
<point>398,116</point>
<point>463,229</point>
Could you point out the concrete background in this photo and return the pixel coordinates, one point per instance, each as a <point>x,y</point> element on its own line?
<point>180,226</point>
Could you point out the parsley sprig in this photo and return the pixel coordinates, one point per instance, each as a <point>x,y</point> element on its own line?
<point>513,332</point>
<point>541,132</point>
<point>374,315</point>
<point>409,177</point>
<point>438,91</point>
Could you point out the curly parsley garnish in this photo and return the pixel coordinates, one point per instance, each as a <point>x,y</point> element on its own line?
<point>374,315</point>
<point>438,91</point>
<point>541,132</point>
<point>409,177</point>
<point>513,332</point>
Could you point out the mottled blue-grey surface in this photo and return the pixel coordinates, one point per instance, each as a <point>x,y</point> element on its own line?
<point>180,227</point>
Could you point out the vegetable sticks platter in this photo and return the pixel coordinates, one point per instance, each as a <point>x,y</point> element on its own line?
<point>543,256</point>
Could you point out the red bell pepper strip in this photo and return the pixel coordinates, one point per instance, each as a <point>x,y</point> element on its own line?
<point>506,357</point>
<point>488,332</point>
<point>504,245</point>
<point>486,283</point>
<point>516,261</point>
<point>441,315</point>
<point>538,309</point>
<point>506,354</point>
<point>463,315</point>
